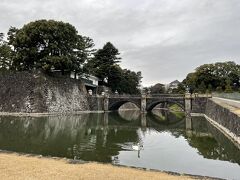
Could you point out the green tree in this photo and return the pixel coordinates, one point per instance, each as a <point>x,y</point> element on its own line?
<point>215,75</point>
<point>181,89</point>
<point>202,87</point>
<point>47,45</point>
<point>12,35</point>
<point>228,87</point>
<point>105,66</point>
<point>5,55</point>
<point>157,88</point>
<point>103,62</point>
<point>190,81</point>
<point>115,78</point>
<point>124,80</point>
<point>130,82</point>
<point>219,89</point>
<point>1,38</point>
<point>209,88</point>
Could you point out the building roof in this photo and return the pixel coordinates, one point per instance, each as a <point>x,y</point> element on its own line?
<point>89,76</point>
<point>174,82</point>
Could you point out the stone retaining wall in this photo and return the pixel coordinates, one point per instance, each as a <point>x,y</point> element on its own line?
<point>223,116</point>
<point>38,93</point>
<point>199,104</point>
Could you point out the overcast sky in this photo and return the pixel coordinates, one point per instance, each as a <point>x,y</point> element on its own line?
<point>165,39</point>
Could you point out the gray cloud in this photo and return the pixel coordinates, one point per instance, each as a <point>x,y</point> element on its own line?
<point>165,39</point>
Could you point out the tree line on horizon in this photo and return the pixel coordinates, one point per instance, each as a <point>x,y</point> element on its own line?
<point>215,77</point>
<point>50,45</point>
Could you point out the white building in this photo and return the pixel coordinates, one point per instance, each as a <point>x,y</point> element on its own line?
<point>174,84</point>
<point>90,81</point>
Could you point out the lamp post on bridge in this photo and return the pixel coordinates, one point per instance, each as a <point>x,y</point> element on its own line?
<point>105,100</point>
<point>148,92</point>
<point>90,92</point>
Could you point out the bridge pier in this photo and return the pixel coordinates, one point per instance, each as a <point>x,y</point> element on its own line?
<point>106,102</point>
<point>189,131</point>
<point>143,120</point>
<point>188,123</point>
<point>105,119</point>
<point>188,104</point>
<point>143,103</point>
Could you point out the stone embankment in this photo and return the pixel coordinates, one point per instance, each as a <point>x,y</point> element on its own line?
<point>225,117</point>
<point>222,113</point>
<point>26,92</point>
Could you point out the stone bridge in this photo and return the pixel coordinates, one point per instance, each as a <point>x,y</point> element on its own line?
<point>144,102</point>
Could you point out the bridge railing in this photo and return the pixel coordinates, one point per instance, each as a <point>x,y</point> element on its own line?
<point>166,95</point>
<point>194,95</point>
<point>147,95</point>
<point>124,96</point>
<point>139,95</point>
<point>115,96</point>
<point>201,95</point>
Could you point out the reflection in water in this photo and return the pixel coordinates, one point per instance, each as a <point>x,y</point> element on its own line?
<point>129,115</point>
<point>211,143</point>
<point>110,137</point>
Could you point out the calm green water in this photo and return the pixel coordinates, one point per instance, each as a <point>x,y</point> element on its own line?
<point>170,141</point>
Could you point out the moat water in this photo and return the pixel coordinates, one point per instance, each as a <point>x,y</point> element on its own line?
<point>170,142</point>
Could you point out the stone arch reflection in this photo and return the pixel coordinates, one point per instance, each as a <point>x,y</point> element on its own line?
<point>164,117</point>
<point>130,115</point>
<point>118,104</point>
<point>159,104</point>
<point>128,106</point>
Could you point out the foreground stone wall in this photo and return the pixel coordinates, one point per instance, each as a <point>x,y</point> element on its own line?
<point>223,116</point>
<point>38,93</point>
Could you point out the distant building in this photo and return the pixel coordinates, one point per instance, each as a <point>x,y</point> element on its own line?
<point>90,81</point>
<point>174,84</point>
<point>166,87</point>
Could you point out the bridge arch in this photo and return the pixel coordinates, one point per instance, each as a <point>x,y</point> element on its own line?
<point>152,105</point>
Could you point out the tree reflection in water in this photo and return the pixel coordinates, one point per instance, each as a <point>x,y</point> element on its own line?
<point>102,136</point>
